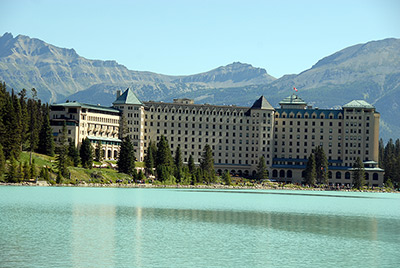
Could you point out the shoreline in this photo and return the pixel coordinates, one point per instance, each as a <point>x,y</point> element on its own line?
<point>180,186</point>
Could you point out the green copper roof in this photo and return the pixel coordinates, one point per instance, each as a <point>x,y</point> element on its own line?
<point>128,97</point>
<point>262,103</point>
<point>87,106</point>
<point>358,104</point>
<point>292,99</point>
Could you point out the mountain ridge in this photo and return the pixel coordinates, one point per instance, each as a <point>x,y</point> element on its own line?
<point>369,71</point>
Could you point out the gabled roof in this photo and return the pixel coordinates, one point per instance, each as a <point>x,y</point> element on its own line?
<point>358,104</point>
<point>262,103</point>
<point>128,97</point>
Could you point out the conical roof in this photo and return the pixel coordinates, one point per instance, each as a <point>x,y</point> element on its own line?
<point>128,97</point>
<point>262,103</point>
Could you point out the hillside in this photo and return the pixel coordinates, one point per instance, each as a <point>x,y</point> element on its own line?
<point>369,71</point>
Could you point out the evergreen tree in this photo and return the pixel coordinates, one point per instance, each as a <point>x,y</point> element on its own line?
<point>12,172</point>
<point>311,172</point>
<point>149,160</point>
<point>11,138</point>
<point>59,178</point>
<point>381,153</point>
<point>44,174</point>
<point>126,160</point>
<point>358,174</point>
<point>46,142</point>
<point>27,171</point>
<point>73,154</point>
<point>24,119</point>
<point>32,172</point>
<point>164,162</point>
<point>20,172</point>
<point>262,171</point>
<point>178,164</point>
<point>86,153</point>
<point>321,165</point>
<point>3,101</point>
<point>207,164</point>
<point>226,178</point>
<point>99,152</point>
<point>191,164</point>
<point>62,150</point>
<point>2,161</point>
<point>34,121</point>
<point>18,130</point>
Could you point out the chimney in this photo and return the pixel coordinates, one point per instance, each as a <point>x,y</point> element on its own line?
<point>118,93</point>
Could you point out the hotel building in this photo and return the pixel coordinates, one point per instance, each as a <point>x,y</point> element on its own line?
<point>239,136</point>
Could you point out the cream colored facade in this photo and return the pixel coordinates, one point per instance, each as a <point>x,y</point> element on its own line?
<point>239,136</point>
<point>99,124</point>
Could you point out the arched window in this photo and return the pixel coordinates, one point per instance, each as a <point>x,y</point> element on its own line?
<point>289,173</point>
<point>338,175</point>
<point>254,173</point>
<point>347,175</point>
<point>366,176</point>
<point>375,176</point>
<point>233,172</point>
<point>303,174</point>
<point>274,173</point>
<point>330,174</point>
<point>282,173</point>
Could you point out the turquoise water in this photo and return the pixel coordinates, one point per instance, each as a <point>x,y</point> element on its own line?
<point>108,227</point>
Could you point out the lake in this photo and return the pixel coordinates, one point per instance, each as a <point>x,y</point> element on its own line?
<point>117,227</point>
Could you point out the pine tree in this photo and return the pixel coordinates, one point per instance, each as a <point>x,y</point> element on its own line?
<point>12,172</point>
<point>358,174</point>
<point>73,154</point>
<point>46,142</point>
<point>32,172</point>
<point>34,121</point>
<point>126,160</point>
<point>86,154</point>
<point>164,162</point>
<point>99,152</point>
<point>24,119</point>
<point>311,173</point>
<point>149,160</point>
<point>2,161</point>
<point>191,164</point>
<point>226,178</point>
<point>62,150</point>
<point>178,164</point>
<point>262,171</point>
<point>321,165</point>
<point>11,138</point>
<point>20,172</point>
<point>18,131</point>
<point>27,171</point>
<point>381,153</point>
<point>44,174</point>
<point>207,164</point>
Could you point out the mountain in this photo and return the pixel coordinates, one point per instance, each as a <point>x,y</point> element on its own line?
<point>59,72</point>
<point>369,71</point>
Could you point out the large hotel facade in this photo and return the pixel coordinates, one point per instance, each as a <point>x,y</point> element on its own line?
<point>238,136</point>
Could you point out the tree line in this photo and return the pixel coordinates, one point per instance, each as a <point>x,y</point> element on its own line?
<point>389,160</point>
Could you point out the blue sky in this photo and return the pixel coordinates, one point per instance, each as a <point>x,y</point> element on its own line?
<point>188,37</point>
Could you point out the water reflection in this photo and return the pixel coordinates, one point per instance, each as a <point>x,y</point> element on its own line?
<point>366,228</point>
<point>93,235</point>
